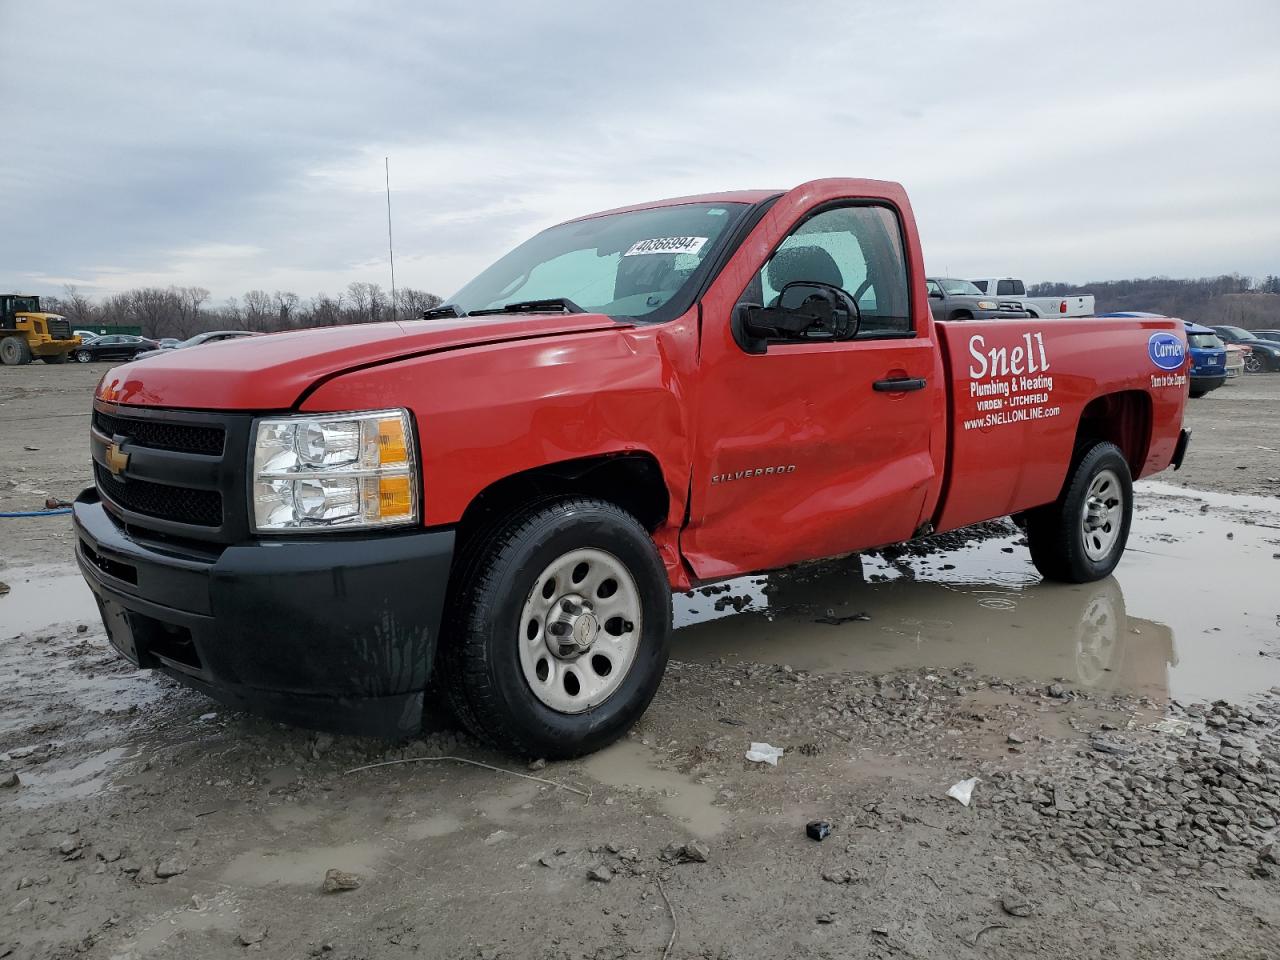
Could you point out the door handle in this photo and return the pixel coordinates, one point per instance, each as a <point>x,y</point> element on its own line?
<point>898,384</point>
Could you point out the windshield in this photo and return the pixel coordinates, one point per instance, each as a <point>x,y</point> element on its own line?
<point>1239,333</point>
<point>26,304</point>
<point>959,288</point>
<point>623,264</point>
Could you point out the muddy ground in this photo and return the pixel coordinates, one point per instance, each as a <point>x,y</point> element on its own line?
<point>1125,736</point>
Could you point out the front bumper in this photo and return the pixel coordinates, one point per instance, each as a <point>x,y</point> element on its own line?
<point>335,634</point>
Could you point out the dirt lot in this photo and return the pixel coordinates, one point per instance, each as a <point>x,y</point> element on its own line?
<point>1126,737</point>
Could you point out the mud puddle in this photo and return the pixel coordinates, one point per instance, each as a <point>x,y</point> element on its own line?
<point>1191,613</point>
<point>41,596</point>
<point>631,765</point>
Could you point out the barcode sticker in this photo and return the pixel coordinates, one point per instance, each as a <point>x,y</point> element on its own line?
<point>666,245</point>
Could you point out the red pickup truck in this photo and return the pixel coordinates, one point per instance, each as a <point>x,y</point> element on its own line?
<point>494,503</point>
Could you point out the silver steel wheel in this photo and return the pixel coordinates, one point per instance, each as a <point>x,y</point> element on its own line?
<point>82,357</point>
<point>1102,515</point>
<point>579,630</point>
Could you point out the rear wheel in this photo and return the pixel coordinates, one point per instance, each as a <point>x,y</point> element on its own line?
<point>559,631</point>
<point>54,358</point>
<point>1253,363</point>
<point>1082,536</point>
<point>14,351</point>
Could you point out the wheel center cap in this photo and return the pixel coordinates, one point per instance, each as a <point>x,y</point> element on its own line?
<point>584,631</point>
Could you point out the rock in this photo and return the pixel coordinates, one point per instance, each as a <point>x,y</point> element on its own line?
<point>498,836</point>
<point>69,846</point>
<point>1056,691</point>
<point>171,867</point>
<point>248,936</point>
<point>601,874</point>
<point>828,917</point>
<point>538,764</point>
<point>1016,907</point>
<point>697,852</point>
<point>8,780</point>
<point>336,881</point>
<point>692,852</point>
<point>1106,906</point>
<point>817,829</point>
<point>21,906</point>
<point>1269,854</point>
<point>1015,738</point>
<point>842,877</point>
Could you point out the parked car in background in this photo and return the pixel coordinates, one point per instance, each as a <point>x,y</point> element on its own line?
<point>166,342</point>
<point>1208,369</point>
<point>1014,290</point>
<point>114,346</point>
<point>951,299</point>
<point>1261,356</point>
<point>86,335</point>
<point>209,336</point>
<point>1235,360</point>
<point>1272,335</point>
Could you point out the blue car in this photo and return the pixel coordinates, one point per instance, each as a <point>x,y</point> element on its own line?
<point>1208,354</point>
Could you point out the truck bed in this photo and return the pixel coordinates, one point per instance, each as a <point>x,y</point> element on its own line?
<point>1020,393</point>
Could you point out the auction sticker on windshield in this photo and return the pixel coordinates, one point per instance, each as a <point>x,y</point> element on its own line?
<point>666,245</point>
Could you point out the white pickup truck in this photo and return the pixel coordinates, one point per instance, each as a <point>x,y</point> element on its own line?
<point>1004,289</point>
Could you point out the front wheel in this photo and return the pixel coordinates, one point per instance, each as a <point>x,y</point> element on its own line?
<point>1081,537</point>
<point>14,352</point>
<point>559,630</point>
<point>82,356</point>
<point>1253,364</point>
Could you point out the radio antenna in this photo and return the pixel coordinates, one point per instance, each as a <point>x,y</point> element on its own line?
<point>391,253</point>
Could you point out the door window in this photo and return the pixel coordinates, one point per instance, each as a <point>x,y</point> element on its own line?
<point>856,248</point>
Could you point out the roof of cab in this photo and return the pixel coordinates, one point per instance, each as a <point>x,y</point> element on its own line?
<point>731,196</point>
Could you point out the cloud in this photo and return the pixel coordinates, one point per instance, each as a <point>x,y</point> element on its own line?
<point>240,146</point>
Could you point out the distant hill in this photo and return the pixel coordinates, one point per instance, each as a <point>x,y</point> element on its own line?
<point>1236,300</point>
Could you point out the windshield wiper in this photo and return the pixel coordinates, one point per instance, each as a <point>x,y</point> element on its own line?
<point>444,310</point>
<point>548,305</point>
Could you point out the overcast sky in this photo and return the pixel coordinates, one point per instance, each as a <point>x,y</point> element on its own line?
<point>240,146</point>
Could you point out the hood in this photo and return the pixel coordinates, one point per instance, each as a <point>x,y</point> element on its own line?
<point>272,372</point>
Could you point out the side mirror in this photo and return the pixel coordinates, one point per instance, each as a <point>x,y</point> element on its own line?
<point>935,295</point>
<point>803,311</point>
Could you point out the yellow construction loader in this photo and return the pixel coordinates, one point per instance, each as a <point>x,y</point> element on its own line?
<point>27,332</point>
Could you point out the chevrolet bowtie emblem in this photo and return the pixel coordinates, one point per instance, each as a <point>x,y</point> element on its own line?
<point>117,459</point>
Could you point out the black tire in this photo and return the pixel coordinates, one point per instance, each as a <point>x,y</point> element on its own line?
<point>1197,393</point>
<point>14,351</point>
<point>1254,364</point>
<point>54,358</point>
<point>479,662</point>
<point>82,356</point>
<point>1056,532</point>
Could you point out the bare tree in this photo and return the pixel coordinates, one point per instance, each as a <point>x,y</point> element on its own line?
<point>286,302</point>
<point>259,311</point>
<point>188,320</point>
<point>410,302</point>
<point>77,307</point>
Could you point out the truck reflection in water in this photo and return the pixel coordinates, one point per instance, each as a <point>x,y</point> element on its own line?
<point>871,614</point>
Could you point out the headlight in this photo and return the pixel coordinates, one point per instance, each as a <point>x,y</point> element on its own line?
<point>334,471</point>
<point>988,305</point>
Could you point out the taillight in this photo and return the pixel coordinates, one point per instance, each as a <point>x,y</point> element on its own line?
<point>1062,307</point>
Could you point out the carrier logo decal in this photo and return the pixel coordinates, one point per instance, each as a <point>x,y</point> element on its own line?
<point>1166,351</point>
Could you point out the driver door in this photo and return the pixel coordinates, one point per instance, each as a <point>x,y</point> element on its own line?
<point>815,447</point>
